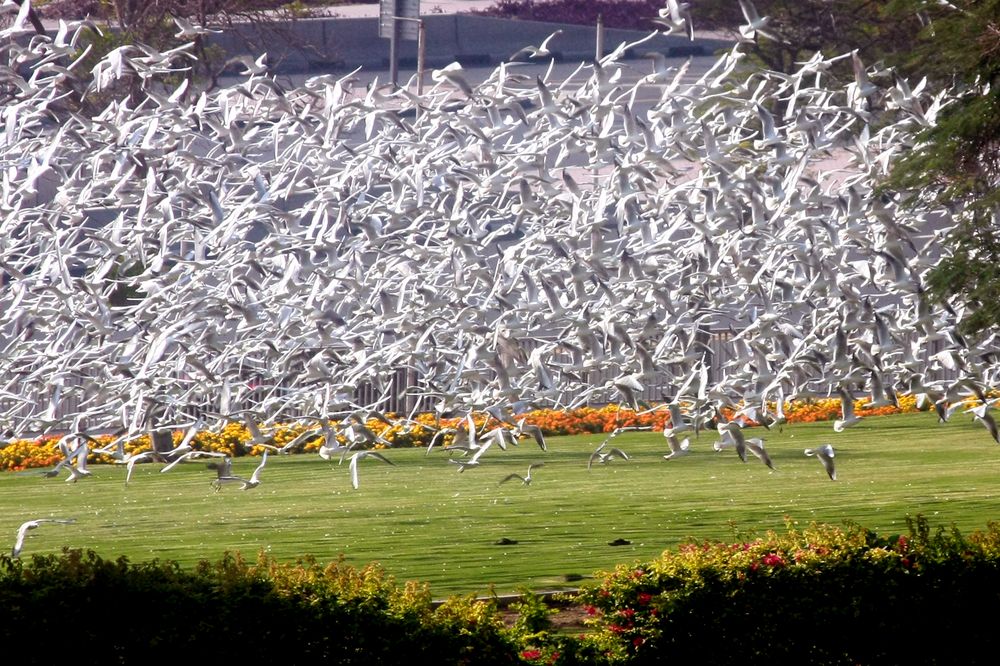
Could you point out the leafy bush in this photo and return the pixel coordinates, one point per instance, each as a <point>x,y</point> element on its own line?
<point>823,595</point>
<point>232,610</point>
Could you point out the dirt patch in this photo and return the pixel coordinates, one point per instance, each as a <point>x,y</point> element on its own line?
<point>568,619</point>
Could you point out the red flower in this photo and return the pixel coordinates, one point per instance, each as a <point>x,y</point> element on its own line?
<point>531,654</point>
<point>591,610</point>
<point>644,598</point>
<point>638,641</point>
<point>773,560</point>
<point>903,543</point>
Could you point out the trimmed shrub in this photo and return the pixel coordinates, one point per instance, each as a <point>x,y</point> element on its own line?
<point>824,595</point>
<point>105,612</point>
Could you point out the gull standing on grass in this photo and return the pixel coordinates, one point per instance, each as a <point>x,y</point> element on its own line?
<point>22,531</point>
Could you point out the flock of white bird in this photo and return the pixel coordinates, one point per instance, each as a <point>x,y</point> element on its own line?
<point>180,259</point>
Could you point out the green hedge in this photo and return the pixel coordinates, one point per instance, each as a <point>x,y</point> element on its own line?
<point>820,595</point>
<point>824,595</point>
<point>91,611</point>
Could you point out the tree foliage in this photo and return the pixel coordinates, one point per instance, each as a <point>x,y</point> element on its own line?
<point>957,161</point>
<point>939,44</point>
<point>795,30</point>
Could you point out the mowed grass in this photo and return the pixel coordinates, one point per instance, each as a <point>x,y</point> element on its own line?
<point>422,519</point>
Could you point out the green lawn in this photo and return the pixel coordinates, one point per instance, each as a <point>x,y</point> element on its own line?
<point>423,520</point>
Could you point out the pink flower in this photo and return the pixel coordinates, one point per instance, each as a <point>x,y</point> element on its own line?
<point>773,560</point>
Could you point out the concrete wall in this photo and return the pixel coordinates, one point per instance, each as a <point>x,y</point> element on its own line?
<point>314,45</point>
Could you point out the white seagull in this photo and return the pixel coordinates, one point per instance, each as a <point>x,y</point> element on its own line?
<point>676,17</point>
<point>188,30</point>
<point>254,479</point>
<point>532,430</point>
<point>982,414</point>
<point>735,432</point>
<point>22,531</point>
<point>540,51</point>
<point>848,417</point>
<point>825,454</point>
<point>604,457</point>
<point>526,479</point>
<point>677,447</point>
<point>754,23</point>
<point>756,446</point>
<point>364,454</point>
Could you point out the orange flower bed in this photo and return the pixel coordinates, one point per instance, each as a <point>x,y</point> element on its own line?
<point>235,440</point>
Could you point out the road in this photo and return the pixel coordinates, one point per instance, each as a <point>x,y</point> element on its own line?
<point>555,73</point>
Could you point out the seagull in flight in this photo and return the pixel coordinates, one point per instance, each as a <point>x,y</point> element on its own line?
<point>735,432</point>
<point>188,30</point>
<point>754,23</point>
<point>531,429</point>
<point>604,457</point>
<point>848,417</point>
<point>677,447</point>
<point>825,454</point>
<point>540,51</point>
<point>982,414</point>
<point>677,422</point>
<point>254,479</point>
<point>755,445</point>
<point>27,525</point>
<point>367,453</point>
<point>676,17</point>
<point>526,479</point>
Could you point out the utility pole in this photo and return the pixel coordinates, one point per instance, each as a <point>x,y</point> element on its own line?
<point>599,39</point>
<point>394,24</point>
